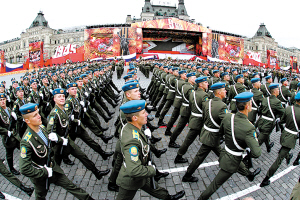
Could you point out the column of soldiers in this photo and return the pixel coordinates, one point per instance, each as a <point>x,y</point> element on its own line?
<point>226,105</point>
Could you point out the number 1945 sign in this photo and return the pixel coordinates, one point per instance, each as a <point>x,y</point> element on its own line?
<point>63,51</point>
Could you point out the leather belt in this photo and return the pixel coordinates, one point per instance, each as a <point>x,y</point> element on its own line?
<point>267,118</point>
<point>171,90</point>
<point>185,104</point>
<point>211,129</point>
<point>290,131</point>
<point>233,152</point>
<point>196,114</point>
<point>179,97</point>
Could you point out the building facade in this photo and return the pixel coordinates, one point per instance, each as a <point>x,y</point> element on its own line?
<point>16,50</point>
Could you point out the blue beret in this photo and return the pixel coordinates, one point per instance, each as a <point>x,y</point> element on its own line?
<point>44,76</point>
<point>254,80</point>
<point>53,74</point>
<point>198,67</point>
<point>254,74</point>
<point>297,97</point>
<point>165,67</point>
<point>191,74</point>
<point>2,95</point>
<point>201,79</point>
<point>19,88</point>
<point>130,86</point>
<point>226,68</point>
<point>175,68</point>
<point>133,106</point>
<point>282,80</point>
<point>245,70</point>
<point>25,78</point>
<point>239,76</point>
<point>267,77</point>
<point>131,73</point>
<point>2,82</point>
<point>218,85</point>
<point>33,81</point>
<point>2,85</point>
<point>131,67</point>
<point>61,71</point>
<point>215,71</point>
<point>273,86</point>
<point>204,69</point>
<point>224,73</point>
<point>234,70</point>
<point>21,76</point>
<point>59,91</point>
<point>128,76</point>
<point>182,72</point>
<point>131,81</point>
<point>298,85</point>
<point>12,79</point>
<point>14,82</point>
<point>295,77</point>
<point>28,108</point>
<point>33,77</point>
<point>244,97</point>
<point>170,67</point>
<point>77,78</point>
<point>71,85</point>
<point>83,75</point>
<point>220,66</point>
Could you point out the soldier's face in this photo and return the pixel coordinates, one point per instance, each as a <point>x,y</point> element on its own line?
<point>3,102</point>
<point>34,118</point>
<point>34,85</point>
<point>45,80</point>
<point>134,94</point>
<point>192,79</point>
<point>20,94</point>
<point>72,91</point>
<point>2,89</point>
<point>25,81</point>
<point>79,83</point>
<point>226,78</point>
<point>15,85</point>
<point>59,99</point>
<point>142,117</point>
<point>204,85</point>
<point>85,80</point>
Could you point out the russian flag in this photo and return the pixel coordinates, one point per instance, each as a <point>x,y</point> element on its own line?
<point>13,67</point>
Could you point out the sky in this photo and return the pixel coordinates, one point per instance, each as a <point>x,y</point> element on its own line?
<point>233,16</point>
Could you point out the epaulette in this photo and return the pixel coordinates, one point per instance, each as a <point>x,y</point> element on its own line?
<point>27,137</point>
<point>135,134</point>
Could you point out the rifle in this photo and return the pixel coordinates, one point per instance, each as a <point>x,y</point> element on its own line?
<point>44,110</point>
<point>49,156</point>
<point>67,132</point>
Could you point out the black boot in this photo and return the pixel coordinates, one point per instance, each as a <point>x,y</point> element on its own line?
<point>105,154</point>
<point>2,195</point>
<point>158,153</point>
<point>106,138</point>
<point>10,163</point>
<point>288,160</point>
<point>27,190</point>
<point>153,139</point>
<point>113,187</point>
<point>189,178</point>
<point>161,123</point>
<point>270,147</point>
<point>106,119</point>
<point>99,173</point>
<point>103,129</point>
<point>150,118</point>
<point>157,114</point>
<point>114,105</point>
<point>110,113</point>
<point>176,196</point>
<point>151,127</point>
<point>173,145</point>
<point>168,132</point>
<point>180,159</point>
<point>67,161</point>
<point>252,175</point>
<point>160,175</point>
<point>296,162</point>
<point>265,182</point>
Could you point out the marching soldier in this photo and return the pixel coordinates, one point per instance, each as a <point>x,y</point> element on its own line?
<point>137,171</point>
<point>284,93</point>
<point>271,108</point>
<point>26,87</point>
<point>256,100</point>
<point>293,84</point>
<point>265,87</point>
<point>239,135</point>
<point>239,87</point>
<point>36,161</point>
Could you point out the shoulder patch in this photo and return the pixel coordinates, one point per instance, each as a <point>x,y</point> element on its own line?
<point>67,106</point>
<point>23,152</point>
<point>133,151</point>
<point>226,111</point>
<point>27,136</point>
<point>135,134</point>
<point>206,98</point>
<point>42,126</point>
<point>51,121</point>
<point>255,135</point>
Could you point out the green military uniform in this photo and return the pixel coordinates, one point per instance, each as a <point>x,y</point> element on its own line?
<point>256,101</point>
<point>265,89</point>
<point>296,192</point>
<point>293,85</point>
<point>165,94</point>
<point>212,81</point>
<point>134,173</point>
<point>33,158</point>
<point>235,90</point>
<point>284,95</point>
<point>119,70</point>
<point>242,135</point>
<point>271,108</point>
<point>21,125</point>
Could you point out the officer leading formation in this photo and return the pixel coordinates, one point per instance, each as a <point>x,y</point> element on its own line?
<point>228,107</point>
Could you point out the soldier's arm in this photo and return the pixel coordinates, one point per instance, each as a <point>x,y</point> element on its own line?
<point>25,163</point>
<point>279,109</point>
<point>16,109</point>
<point>223,112</point>
<point>134,167</point>
<point>52,123</point>
<point>252,143</point>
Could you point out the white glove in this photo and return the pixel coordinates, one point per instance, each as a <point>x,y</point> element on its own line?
<point>23,120</point>
<point>13,114</point>
<point>148,133</point>
<point>248,149</point>
<point>150,164</point>
<point>9,133</point>
<point>82,103</point>
<point>51,90</point>
<point>49,170</point>
<point>53,137</point>
<point>84,109</point>
<point>79,122</point>
<point>8,98</point>
<point>86,94</point>
<point>89,103</point>
<point>65,141</point>
<point>42,96</point>
<point>72,117</point>
<point>47,103</point>
<point>90,89</point>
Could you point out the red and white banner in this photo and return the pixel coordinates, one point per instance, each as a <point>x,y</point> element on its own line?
<point>254,56</point>
<point>63,51</point>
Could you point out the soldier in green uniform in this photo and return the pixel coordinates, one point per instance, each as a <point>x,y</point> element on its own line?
<point>213,80</point>
<point>185,111</point>
<point>196,99</point>
<point>162,86</point>
<point>119,70</point>
<point>59,124</point>
<point>293,84</point>
<point>225,78</point>
<point>265,87</point>
<point>291,119</point>
<point>247,82</point>
<point>177,102</point>
<point>256,100</point>
<point>26,86</point>
<point>35,150</point>
<point>45,98</point>
<point>271,108</point>
<point>284,93</point>
<point>239,87</point>
<point>239,135</point>
<point>137,171</point>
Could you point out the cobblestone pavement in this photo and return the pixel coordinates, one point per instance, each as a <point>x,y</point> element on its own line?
<point>281,188</point>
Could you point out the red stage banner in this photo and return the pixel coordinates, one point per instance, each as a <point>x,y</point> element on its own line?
<point>2,61</point>
<point>231,48</point>
<point>272,59</point>
<point>204,42</point>
<point>65,50</point>
<point>171,23</point>
<point>36,57</point>
<point>294,63</point>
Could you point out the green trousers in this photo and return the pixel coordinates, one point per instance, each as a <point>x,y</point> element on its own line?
<point>282,154</point>
<point>264,138</point>
<point>183,120</point>
<point>9,176</point>
<point>174,117</point>
<point>189,139</point>
<point>167,107</point>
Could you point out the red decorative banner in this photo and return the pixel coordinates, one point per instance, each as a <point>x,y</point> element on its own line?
<point>36,57</point>
<point>231,48</point>
<point>272,59</point>
<point>294,63</point>
<point>2,62</point>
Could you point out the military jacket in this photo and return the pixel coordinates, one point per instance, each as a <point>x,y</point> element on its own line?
<point>290,133</point>
<point>17,104</point>
<point>196,99</point>
<point>265,89</point>
<point>59,120</point>
<point>162,81</point>
<point>243,134</point>
<point>135,149</point>
<point>214,111</point>
<point>284,94</point>
<point>235,90</point>
<point>34,155</point>
<point>26,91</point>
<point>33,97</point>
<point>172,90</point>
<point>185,109</point>
<point>293,85</point>
<point>178,97</point>
<point>5,121</point>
